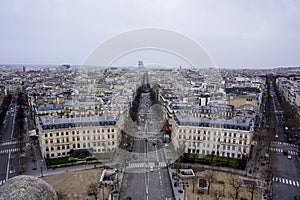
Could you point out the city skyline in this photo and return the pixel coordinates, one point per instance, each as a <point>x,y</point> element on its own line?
<point>237,35</point>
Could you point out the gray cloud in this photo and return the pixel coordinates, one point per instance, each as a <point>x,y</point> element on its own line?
<point>235,33</point>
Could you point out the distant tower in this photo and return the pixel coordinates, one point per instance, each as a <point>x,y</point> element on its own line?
<point>24,69</point>
<point>140,64</point>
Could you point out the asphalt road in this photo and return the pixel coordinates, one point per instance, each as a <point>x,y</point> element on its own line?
<point>146,176</point>
<point>286,172</point>
<point>7,146</point>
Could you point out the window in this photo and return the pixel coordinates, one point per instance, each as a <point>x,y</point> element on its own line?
<point>46,135</point>
<point>57,134</point>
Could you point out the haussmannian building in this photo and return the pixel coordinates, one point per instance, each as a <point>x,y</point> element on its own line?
<point>214,136</point>
<point>57,136</point>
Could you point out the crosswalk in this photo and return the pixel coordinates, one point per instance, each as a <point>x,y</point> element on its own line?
<point>286,181</point>
<point>284,144</point>
<point>9,143</point>
<point>144,164</point>
<point>143,138</point>
<point>278,150</point>
<point>12,150</point>
<point>2,182</point>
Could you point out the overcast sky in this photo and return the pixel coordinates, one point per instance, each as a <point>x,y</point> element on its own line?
<point>234,33</point>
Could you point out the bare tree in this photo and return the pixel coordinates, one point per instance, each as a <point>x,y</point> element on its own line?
<point>252,188</point>
<point>93,190</point>
<point>218,194</point>
<point>210,178</point>
<point>236,183</point>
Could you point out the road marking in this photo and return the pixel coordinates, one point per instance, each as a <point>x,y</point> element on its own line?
<point>7,169</point>
<point>284,144</point>
<point>286,181</point>
<point>281,151</point>
<point>10,143</point>
<point>12,150</point>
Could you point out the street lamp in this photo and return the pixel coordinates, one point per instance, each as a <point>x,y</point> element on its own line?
<point>41,167</point>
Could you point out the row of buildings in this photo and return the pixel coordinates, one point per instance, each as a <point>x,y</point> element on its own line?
<point>85,108</point>
<point>290,90</point>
